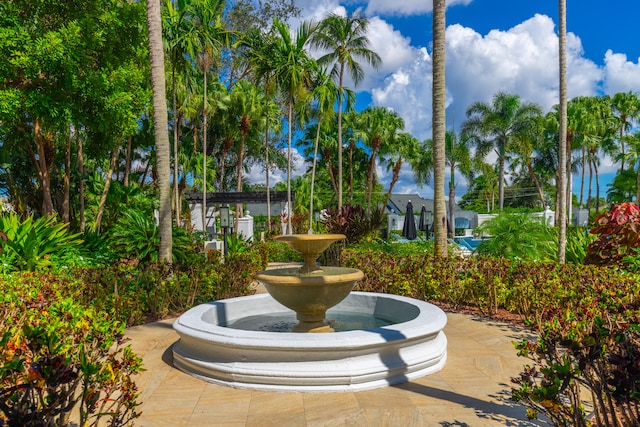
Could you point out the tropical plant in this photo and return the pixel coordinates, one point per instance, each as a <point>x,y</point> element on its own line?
<point>291,69</point>
<point>29,244</point>
<point>136,237</point>
<point>618,234</point>
<point>518,236</point>
<point>58,357</point>
<point>495,126</point>
<point>345,39</point>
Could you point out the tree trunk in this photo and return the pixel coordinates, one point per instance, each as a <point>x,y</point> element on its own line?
<point>176,128</point>
<point>266,155</point>
<point>67,180</point>
<point>44,145</point>
<point>562,148</point>
<point>538,186</point>
<point>289,207</point>
<point>204,147</point>
<point>590,187</point>
<point>81,182</point>
<point>239,183</point>
<point>396,175</point>
<point>451,227</point>
<point>156,54</point>
<point>501,154</point>
<point>127,162</point>
<point>439,127</point>
<point>313,175</point>
<point>340,137</point>
<point>105,191</point>
<point>584,165</point>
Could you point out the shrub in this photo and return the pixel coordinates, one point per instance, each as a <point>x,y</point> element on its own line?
<point>518,236</point>
<point>58,356</point>
<point>353,222</point>
<point>29,244</point>
<point>618,233</point>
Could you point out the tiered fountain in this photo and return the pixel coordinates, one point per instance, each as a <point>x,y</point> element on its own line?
<point>372,339</point>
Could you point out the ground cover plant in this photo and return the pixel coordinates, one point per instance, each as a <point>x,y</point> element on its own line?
<point>58,356</point>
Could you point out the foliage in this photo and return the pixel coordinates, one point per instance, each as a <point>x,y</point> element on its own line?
<point>136,236</point>
<point>618,233</point>
<point>588,341</point>
<point>578,239</point>
<point>29,244</point>
<point>59,356</point>
<point>278,252</point>
<point>353,222</point>
<point>518,236</point>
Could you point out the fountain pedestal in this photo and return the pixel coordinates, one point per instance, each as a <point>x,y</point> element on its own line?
<point>310,290</point>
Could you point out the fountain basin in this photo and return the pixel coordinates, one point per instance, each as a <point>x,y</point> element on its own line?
<point>413,345</point>
<point>310,295</point>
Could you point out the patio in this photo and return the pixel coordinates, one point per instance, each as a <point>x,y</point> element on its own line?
<point>472,390</point>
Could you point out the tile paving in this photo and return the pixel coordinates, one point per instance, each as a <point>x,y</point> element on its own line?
<point>472,390</point>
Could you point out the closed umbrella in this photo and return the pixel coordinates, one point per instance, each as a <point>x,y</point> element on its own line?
<point>409,228</point>
<point>423,224</point>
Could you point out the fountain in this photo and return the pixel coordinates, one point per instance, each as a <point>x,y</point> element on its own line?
<point>257,342</point>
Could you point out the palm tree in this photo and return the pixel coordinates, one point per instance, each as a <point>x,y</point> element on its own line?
<point>179,44</point>
<point>345,39</point>
<point>291,70</point>
<point>562,151</point>
<point>439,125</point>
<point>376,127</point>
<point>525,147</point>
<point>495,126</point>
<point>458,156</point>
<point>246,105</point>
<point>626,106</point>
<point>156,54</point>
<point>325,94</point>
<point>206,17</point>
<point>405,149</point>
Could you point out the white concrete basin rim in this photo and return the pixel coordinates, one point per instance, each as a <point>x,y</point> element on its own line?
<point>430,320</point>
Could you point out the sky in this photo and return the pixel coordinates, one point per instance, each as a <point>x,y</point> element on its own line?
<point>491,46</point>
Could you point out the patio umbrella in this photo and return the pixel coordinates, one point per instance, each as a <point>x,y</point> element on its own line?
<point>422,224</point>
<point>409,228</point>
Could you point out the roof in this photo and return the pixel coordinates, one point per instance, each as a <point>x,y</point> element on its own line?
<point>398,203</point>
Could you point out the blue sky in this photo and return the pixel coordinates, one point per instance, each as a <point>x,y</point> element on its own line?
<point>492,45</point>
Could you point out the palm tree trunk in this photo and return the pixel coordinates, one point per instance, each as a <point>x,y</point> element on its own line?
<point>204,147</point>
<point>43,144</point>
<point>175,145</point>
<point>156,54</point>
<point>239,182</point>
<point>452,203</point>
<point>266,155</point>
<point>340,138</point>
<point>584,165</point>
<point>501,154</point>
<point>595,167</point>
<point>289,207</point>
<point>439,126</point>
<point>562,160</point>
<point>538,186</point>
<point>394,179</point>
<point>313,175</point>
<point>590,187</point>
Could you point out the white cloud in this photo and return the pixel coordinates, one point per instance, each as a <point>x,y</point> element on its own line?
<point>299,166</point>
<point>522,60</point>
<point>620,74</point>
<point>405,7</point>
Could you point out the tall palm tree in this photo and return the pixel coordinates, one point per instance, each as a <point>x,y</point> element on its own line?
<point>526,147</point>
<point>562,151</point>
<point>179,45</point>
<point>246,107</point>
<point>292,74</point>
<point>156,54</point>
<point>494,127</point>
<point>345,39</point>
<point>324,94</point>
<point>206,16</point>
